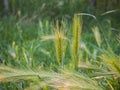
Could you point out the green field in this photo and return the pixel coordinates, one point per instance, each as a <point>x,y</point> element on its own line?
<point>60,45</point>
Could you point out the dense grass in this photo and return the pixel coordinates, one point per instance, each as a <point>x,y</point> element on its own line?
<point>68,55</point>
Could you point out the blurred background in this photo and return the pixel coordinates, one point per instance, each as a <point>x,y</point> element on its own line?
<point>107,11</point>
<point>56,8</point>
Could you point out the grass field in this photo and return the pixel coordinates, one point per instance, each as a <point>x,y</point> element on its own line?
<point>74,54</point>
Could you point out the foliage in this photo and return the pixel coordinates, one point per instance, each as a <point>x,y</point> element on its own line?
<point>43,54</point>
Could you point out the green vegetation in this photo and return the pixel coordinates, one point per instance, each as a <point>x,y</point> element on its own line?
<point>45,46</point>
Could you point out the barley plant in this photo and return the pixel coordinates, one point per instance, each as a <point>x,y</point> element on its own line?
<point>75,44</point>
<point>60,41</point>
<point>43,79</point>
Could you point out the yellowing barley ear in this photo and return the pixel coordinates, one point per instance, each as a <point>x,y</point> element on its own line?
<point>97,35</point>
<point>60,42</point>
<point>77,28</point>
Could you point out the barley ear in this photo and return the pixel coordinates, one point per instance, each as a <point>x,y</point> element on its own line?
<point>77,28</point>
<point>97,35</point>
<point>60,43</point>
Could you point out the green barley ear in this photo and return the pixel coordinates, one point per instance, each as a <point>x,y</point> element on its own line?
<point>77,28</point>
<point>60,42</point>
<point>97,35</point>
<point>112,61</point>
